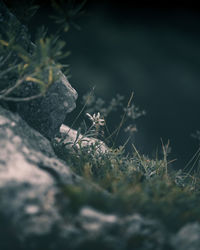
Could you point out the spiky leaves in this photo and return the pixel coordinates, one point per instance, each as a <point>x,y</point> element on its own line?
<point>38,63</point>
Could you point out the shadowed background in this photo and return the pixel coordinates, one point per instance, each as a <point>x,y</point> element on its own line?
<point>153,51</point>
<point>148,48</point>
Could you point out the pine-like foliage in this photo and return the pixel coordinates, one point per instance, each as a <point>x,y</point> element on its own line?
<point>22,61</point>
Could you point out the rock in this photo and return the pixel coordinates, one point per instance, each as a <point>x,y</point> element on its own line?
<point>99,230</point>
<point>96,230</point>
<point>34,205</point>
<point>30,176</point>
<point>143,233</point>
<point>48,112</point>
<point>36,214</point>
<point>68,140</point>
<point>93,221</point>
<point>188,237</point>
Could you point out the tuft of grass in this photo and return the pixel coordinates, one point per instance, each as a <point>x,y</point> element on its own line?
<point>134,183</point>
<point>137,184</point>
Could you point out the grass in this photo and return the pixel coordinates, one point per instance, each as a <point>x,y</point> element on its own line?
<point>133,183</point>
<point>137,185</point>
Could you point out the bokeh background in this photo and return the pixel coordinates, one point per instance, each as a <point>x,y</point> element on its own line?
<point>147,47</point>
<point>154,52</point>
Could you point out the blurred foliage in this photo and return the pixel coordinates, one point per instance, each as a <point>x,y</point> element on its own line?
<point>135,184</point>
<point>132,183</point>
<point>25,63</point>
<point>128,114</point>
<point>66,13</point>
<point>24,10</point>
<point>196,135</point>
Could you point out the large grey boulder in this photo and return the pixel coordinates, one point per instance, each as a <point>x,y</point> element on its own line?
<point>30,177</point>
<point>45,114</point>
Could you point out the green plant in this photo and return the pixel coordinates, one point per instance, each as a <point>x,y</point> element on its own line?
<point>134,182</point>
<point>66,13</point>
<point>40,65</point>
<point>124,183</point>
<point>137,184</point>
<point>130,112</point>
<point>23,63</point>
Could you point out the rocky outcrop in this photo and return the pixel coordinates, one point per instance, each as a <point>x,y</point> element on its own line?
<point>69,140</point>
<point>48,112</point>
<point>31,183</point>
<point>36,211</point>
<point>30,175</point>
<point>108,231</point>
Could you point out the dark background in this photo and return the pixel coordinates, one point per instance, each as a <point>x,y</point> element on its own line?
<point>155,52</point>
<point>149,47</point>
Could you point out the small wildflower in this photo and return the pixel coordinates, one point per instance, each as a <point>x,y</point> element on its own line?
<point>96,119</point>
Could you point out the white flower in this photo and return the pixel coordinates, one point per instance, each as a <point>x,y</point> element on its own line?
<point>96,119</point>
